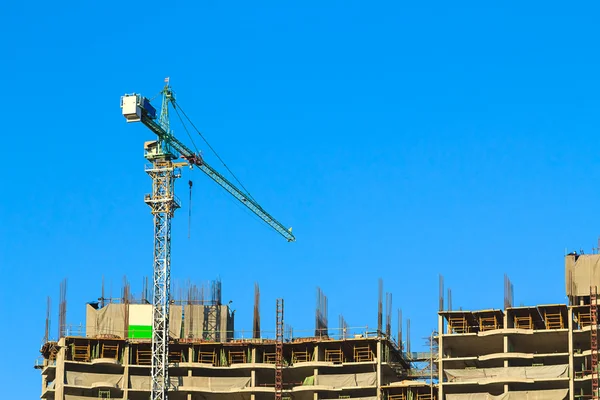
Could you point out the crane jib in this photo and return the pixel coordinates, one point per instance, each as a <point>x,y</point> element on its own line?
<point>196,159</point>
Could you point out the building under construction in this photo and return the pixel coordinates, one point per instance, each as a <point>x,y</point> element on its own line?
<point>541,352</point>
<point>111,359</point>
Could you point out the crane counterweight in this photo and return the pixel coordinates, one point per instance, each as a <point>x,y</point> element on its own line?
<point>133,106</point>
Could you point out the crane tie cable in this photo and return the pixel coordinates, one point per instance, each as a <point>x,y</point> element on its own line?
<point>186,131</point>
<point>209,146</point>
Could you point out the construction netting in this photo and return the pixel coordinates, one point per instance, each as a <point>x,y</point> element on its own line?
<point>97,380</point>
<point>481,375</point>
<point>555,394</point>
<point>581,272</point>
<point>143,382</point>
<point>139,382</point>
<point>175,321</point>
<point>363,398</point>
<point>106,321</point>
<point>216,383</point>
<point>110,319</point>
<point>194,320</point>
<point>347,380</point>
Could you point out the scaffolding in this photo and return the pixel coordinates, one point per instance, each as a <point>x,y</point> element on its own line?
<point>488,323</point>
<point>236,357</point>
<point>144,356</point>
<point>554,320</point>
<point>207,357</point>
<point>523,322</point>
<point>584,319</point>
<point>109,350</point>
<point>334,355</point>
<point>594,339</point>
<point>301,356</point>
<point>81,352</point>
<point>270,358</point>
<point>458,324</point>
<point>363,354</point>
<point>175,356</point>
<point>279,351</point>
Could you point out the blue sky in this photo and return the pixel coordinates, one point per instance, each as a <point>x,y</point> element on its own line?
<point>401,140</point>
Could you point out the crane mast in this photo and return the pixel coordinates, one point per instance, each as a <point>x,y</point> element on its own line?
<point>163,203</point>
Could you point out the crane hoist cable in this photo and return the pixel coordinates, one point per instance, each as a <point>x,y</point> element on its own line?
<point>190,210</point>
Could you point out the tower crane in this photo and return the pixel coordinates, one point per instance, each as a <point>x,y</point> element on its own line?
<point>164,170</point>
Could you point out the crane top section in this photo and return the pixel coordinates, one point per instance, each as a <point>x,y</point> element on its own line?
<point>137,108</point>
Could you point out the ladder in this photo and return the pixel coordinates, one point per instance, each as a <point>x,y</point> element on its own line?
<point>594,339</point>
<point>279,352</point>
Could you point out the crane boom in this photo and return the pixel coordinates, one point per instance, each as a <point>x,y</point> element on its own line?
<point>197,160</point>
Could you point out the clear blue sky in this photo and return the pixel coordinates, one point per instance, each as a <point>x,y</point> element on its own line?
<point>400,140</point>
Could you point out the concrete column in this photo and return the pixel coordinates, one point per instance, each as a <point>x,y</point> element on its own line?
<point>59,381</point>
<point>440,357</point>
<point>316,375</point>
<point>125,359</point>
<point>253,372</point>
<point>44,381</point>
<point>379,353</point>
<point>189,371</point>
<point>571,356</point>
<point>505,350</point>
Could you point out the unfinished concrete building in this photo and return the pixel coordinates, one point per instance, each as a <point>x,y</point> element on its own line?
<point>545,352</point>
<point>542,352</point>
<point>112,359</point>
<point>79,368</point>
